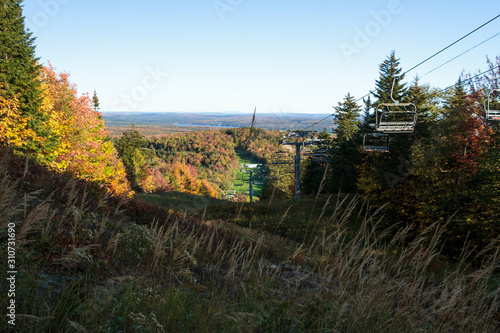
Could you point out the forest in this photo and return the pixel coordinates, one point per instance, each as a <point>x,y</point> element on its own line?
<point>200,162</point>
<point>401,235</point>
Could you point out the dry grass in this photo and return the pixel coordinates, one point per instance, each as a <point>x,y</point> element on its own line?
<point>85,266</point>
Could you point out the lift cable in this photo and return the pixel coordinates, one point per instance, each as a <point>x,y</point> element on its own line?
<point>470,78</point>
<point>422,62</point>
<point>435,54</point>
<point>458,40</point>
<point>461,54</point>
<point>320,121</point>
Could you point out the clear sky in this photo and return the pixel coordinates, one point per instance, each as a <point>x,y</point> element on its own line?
<point>234,55</point>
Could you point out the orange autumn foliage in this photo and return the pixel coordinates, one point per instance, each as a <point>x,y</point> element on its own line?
<point>83,146</point>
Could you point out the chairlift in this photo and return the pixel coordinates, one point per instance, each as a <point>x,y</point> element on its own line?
<point>300,134</point>
<point>492,115</point>
<point>296,135</point>
<point>320,159</point>
<point>376,142</point>
<point>280,157</point>
<point>315,142</point>
<point>396,117</point>
<point>316,149</point>
<point>315,145</point>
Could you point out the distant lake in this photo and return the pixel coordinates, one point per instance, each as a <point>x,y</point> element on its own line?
<point>201,125</point>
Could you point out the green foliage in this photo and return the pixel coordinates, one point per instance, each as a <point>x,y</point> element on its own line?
<point>345,149</point>
<point>347,118</point>
<point>95,101</point>
<point>390,80</point>
<point>129,149</point>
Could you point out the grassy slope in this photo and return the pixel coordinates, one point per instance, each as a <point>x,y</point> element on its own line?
<point>182,202</point>
<point>88,263</point>
<point>244,177</point>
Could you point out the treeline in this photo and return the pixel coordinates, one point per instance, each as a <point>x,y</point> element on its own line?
<point>447,171</point>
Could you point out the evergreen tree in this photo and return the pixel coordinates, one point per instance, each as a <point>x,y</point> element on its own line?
<point>19,69</point>
<point>379,175</point>
<point>390,73</point>
<point>129,150</point>
<point>367,122</point>
<point>347,118</point>
<point>426,100</point>
<point>95,101</point>
<point>345,150</point>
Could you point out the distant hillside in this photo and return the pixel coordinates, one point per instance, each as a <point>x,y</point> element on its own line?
<point>158,123</point>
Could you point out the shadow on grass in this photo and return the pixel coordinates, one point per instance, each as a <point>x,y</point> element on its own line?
<point>284,217</point>
<point>182,202</point>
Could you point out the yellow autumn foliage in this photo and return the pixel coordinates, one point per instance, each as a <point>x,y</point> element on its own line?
<point>14,130</point>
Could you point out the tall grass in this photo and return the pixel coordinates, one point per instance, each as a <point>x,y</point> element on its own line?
<point>95,264</point>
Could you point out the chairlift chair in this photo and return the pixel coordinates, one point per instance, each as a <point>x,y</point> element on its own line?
<point>316,145</point>
<point>376,142</point>
<point>321,159</point>
<point>280,157</point>
<point>299,134</point>
<point>492,115</point>
<point>396,117</point>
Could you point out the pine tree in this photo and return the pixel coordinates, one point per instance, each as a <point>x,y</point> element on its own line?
<point>390,72</point>
<point>129,150</point>
<point>345,148</point>
<point>95,101</point>
<point>19,69</point>
<point>347,118</point>
<point>379,175</point>
<point>368,117</point>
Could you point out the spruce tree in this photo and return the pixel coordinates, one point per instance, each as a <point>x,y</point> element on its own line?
<point>347,118</point>
<point>345,150</point>
<point>381,174</point>
<point>129,148</point>
<point>19,68</point>
<point>390,72</point>
<point>367,123</point>
<point>95,101</point>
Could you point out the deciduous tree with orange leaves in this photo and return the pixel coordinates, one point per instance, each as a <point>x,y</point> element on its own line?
<point>84,148</point>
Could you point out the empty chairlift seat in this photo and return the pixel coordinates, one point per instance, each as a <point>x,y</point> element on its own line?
<point>492,109</point>
<point>316,149</point>
<point>396,118</point>
<point>376,143</point>
<point>281,157</point>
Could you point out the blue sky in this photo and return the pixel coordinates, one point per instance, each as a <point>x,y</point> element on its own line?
<point>232,55</point>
